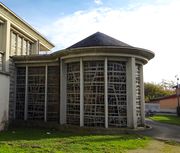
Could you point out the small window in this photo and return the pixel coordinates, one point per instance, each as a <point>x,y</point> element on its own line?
<point>24,48</point>
<point>29,48</point>
<point>13,43</point>
<point>19,45</point>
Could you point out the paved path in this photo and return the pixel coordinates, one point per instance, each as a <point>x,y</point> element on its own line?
<point>162,131</point>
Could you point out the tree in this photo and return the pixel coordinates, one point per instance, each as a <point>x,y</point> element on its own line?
<point>168,84</point>
<point>153,91</point>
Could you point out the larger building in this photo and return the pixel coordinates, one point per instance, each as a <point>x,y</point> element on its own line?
<point>95,82</point>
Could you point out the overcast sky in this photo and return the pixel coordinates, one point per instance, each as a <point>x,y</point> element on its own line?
<point>150,24</point>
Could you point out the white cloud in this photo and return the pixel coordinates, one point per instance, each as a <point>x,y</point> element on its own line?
<point>154,27</point>
<point>98,2</point>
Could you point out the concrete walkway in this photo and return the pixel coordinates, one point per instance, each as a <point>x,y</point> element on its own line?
<point>162,131</point>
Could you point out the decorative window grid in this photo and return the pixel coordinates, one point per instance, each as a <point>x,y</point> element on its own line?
<point>12,72</point>
<point>73,93</point>
<point>20,92</point>
<point>53,93</point>
<point>36,93</point>
<point>138,95</point>
<point>94,114</point>
<point>117,102</point>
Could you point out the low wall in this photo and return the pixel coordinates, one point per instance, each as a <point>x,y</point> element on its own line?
<point>156,107</point>
<point>4,99</point>
<point>168,110</point>
<point>152,107</point>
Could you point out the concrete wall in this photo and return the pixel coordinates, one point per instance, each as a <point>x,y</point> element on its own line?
<point>152,107</point>
<point>167,105</point>
<point>4,99</point>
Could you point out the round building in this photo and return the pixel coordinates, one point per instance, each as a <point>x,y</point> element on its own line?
<point>97,82</point>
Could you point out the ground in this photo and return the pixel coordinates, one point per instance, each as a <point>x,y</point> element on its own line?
<point>162,131</point>
<point>45,141</point>
<point>50,141</point>
<point>170,119</point>
<point>161,138</point>
<point>156,146</point>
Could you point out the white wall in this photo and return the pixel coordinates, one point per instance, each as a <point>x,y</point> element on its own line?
<point>4,99</point>
<point>152,107</point>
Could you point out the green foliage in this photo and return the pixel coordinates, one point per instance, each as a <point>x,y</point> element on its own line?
<point>38,141</point>
<point>153,91</point>
<point>170,119</point>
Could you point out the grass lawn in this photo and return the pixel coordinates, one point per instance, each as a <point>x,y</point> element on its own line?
<point>156,146</point>
<point>166,119</point>
<point>44,141</point>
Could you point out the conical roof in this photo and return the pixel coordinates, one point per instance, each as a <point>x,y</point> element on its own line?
<point>99,39</point>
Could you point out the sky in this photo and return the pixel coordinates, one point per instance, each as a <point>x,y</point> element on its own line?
<point>149,24</point>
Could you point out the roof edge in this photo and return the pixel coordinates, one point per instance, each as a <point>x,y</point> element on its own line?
<point>151,53</point>
<point>162,98</point>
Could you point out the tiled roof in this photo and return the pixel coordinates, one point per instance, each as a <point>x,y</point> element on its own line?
<point>99,39</point>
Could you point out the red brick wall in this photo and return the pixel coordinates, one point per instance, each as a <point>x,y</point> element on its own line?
<point>170,103</point>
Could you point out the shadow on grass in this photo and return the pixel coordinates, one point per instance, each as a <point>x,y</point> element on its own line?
<point>38,134</point>
<point>168,119</point>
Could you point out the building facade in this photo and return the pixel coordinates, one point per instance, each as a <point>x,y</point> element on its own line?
<point>16,38</point>
<point>167,104</point>
<point>97,82</point>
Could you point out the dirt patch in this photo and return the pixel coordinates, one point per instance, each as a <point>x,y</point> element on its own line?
<point>156,146</point>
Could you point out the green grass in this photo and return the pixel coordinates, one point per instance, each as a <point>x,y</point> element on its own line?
<point>166,119</point>
<point>39,141</point>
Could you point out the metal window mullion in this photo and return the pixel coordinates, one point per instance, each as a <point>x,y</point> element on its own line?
<point>81,93</point>
<point>26,96</point>
<point>15,92</point>
<point>106,91</point>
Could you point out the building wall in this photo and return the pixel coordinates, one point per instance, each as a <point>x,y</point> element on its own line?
<point>168,105</point>
<point>4,98</point>
<point>12,89</point>
<point>16,38</point>
<point>163,105</point>
<point>24,28</point>
<point>83,100</point>
<point>108,93</point>
<point>154,107</point>
<point>37,93</point>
